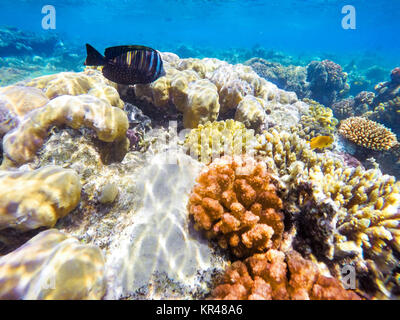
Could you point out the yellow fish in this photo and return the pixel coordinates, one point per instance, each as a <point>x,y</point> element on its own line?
<point>320,142</point>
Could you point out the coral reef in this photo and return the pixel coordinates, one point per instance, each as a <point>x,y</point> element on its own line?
<point>276,275</point>
<point>52,266</point>
<point>344,108</point>
<point>367,133</point>
<point>328,82</point>
<point>215,139</point>
<point>32,199</point>
<point>236,203</point>
<point>317,120</point>
<point>290,78</point>
<point>250,111</point>
<point>206,89</point>
<point>110,123</point>
<point>347,215</point>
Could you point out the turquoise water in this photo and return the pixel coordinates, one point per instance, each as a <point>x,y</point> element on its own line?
<point>295,27</point>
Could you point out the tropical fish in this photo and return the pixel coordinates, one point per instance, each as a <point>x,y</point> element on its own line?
<point>320,142</point>
<point>127,64</point>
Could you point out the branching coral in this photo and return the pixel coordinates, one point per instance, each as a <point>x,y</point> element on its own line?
<point>215,139</point>
<point>33,199</point>
<point>367,133</point>
<point>319,120</point>
<point>110,124</point>
<point>347,215</point>
<point>52,266</point>
<point>275,275</point>
<point>235,202</point>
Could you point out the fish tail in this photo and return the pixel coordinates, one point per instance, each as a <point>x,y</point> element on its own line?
<point>94,58</point>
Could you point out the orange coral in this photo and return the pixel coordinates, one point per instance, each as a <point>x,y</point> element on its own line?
<point>236,203</point>
<point>279,276</point>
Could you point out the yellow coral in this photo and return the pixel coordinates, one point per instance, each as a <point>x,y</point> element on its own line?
<point>214,139</point>
<point>53,266</point>
<point>110,123</point>
<point>72,83</point>
<point>367,133</point>
<point>202,104</point>
<point>251,112</point>
<point>319,120</point>
<point>20,100</point>
<point>33,199</point>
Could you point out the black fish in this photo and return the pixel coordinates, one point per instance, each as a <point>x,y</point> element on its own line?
<point>127,64</point>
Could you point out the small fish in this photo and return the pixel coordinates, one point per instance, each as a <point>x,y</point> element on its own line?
<point>320,142</point>
<point>127,64</point>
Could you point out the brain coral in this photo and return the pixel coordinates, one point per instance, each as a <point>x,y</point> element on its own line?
<point>367,133</point>
<point>276,275</point>
<point>215,139</point>
<point>71,83</point>
<point>52,266</point>
<point>33,199</point>
<point>236,202</point>
<point>110,123</point>
<point>251,112</point>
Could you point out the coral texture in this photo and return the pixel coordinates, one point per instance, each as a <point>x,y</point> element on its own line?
<point>52,266</point>
<point>328,82</point>
<point>250,111</point>
<point>205,89</point>
<point>215,139</point>
<point>276,275</point>
<point>32,199</point>
<point>236,202</point>
<point>110,123</point>
<point>367,133</point>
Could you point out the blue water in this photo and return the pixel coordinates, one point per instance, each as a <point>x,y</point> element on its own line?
<point>295,27</point>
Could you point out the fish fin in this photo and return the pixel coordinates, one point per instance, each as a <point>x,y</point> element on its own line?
<point>94,58</point>
<point>113,52</point>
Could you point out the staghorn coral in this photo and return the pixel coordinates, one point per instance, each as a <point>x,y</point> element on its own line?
<point>367,133</point>
<point>32,199</point>
<point>327,81</point>
<point>276,275</point>
<point>215,139</point>
<point>236,202</point>
<point>110,124</point>
<point>52,266</point>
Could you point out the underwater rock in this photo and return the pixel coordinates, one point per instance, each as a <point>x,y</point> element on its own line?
<point>108,193</point>
<point>236,203</point>
<point>52,266</point>
<point>276,275</point>
<point>160,255</point>
<point>110,124</point>
<point>328,83</point>
<point>32,199</point>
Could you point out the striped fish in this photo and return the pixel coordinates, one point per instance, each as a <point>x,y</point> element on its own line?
<point>127,64</point>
